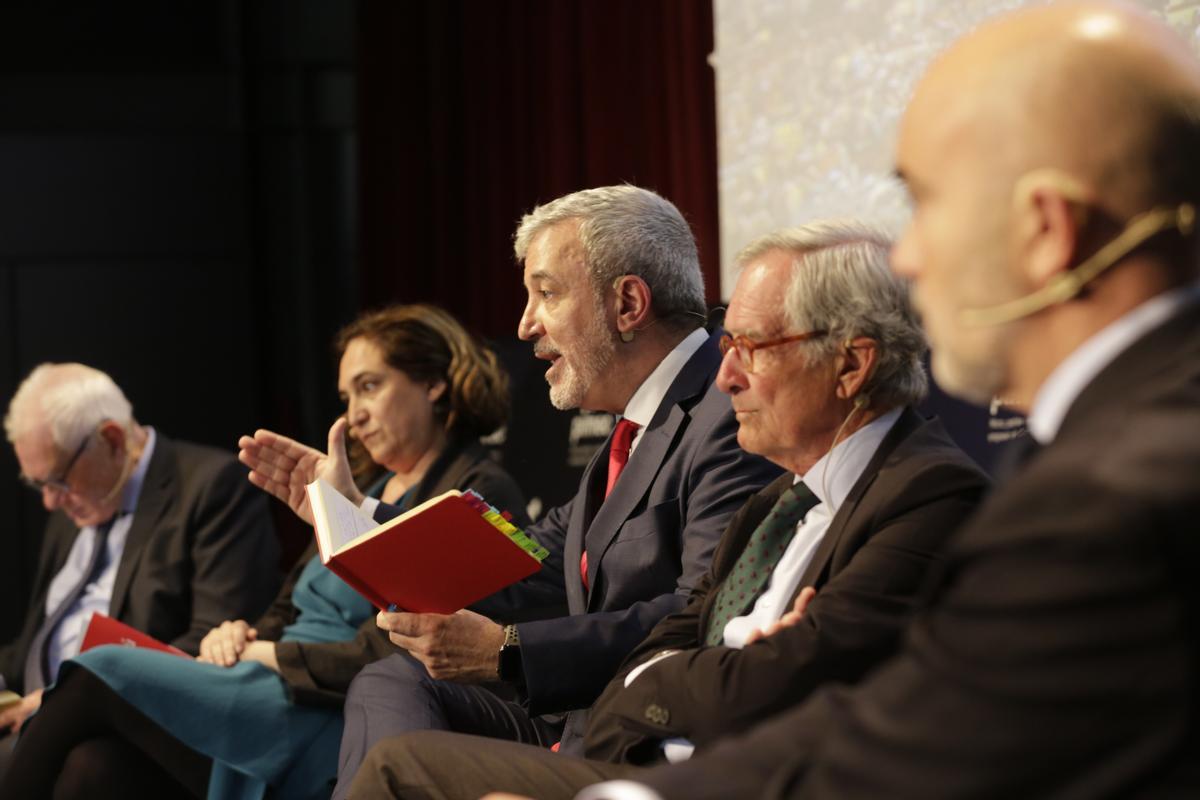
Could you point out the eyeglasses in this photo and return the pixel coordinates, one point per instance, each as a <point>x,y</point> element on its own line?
<point>58,484</point>
<point>745,346</point>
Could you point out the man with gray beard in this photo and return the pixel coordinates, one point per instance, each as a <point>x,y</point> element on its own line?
<point>616,306</point>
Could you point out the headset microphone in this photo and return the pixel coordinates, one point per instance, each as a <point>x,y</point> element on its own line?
<point>1066,285</point>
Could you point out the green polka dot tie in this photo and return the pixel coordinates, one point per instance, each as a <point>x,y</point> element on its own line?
<point>766,546</point>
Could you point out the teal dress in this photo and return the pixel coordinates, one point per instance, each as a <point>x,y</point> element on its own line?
<point>243,716</point>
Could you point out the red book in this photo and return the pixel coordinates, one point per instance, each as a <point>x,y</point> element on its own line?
<point>103,629</point>
<point>439,557</point>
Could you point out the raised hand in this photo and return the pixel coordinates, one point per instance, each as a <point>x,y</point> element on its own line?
<point>283,466</point>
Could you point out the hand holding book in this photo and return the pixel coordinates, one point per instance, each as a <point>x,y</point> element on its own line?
<point>461,647</point>
<point>439,557</point>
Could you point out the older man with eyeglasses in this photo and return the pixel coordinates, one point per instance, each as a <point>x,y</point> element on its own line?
<point>163,535</point>
<point>816,574</point>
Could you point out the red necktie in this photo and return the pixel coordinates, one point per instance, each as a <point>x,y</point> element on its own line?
<point>618,457</point>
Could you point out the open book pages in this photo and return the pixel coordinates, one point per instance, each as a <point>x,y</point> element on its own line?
<point>343,522</point>
<point>438,557</point>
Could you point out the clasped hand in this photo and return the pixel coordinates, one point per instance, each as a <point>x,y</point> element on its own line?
<point>462,647</point>
<point>223,645</point>
<point>233,641</point>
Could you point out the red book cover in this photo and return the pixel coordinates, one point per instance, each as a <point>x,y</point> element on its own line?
<point>103,629</point>
<point>439,557</point>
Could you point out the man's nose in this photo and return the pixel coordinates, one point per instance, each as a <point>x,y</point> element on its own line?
<point>529,329</point>
<point>731,376</point>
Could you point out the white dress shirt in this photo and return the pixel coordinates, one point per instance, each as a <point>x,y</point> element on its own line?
<point>831,480</point>
<point>649,396</point>
<point>65,639</point>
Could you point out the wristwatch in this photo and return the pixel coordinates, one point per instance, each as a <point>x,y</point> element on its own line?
<point>510,668</point>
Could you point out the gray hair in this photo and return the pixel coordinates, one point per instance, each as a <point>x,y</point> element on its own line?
<point>626,230</point>
<point>841,284</point>
<point>70,399</point>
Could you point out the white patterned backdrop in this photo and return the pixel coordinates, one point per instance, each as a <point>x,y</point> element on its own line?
<point>808,96</point>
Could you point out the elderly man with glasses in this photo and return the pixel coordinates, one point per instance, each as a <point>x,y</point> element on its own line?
<point>815,575</point>
<point>162,535</point>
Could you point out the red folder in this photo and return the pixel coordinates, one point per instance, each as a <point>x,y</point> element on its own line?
<point>437,558</point>
<point>103,629</point>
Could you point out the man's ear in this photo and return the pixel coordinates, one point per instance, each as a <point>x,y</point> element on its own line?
<point>1048,217</point>
<point>113,435</point>
<point>436,390</point>
<point>634,303</point>
<point>856,363</point>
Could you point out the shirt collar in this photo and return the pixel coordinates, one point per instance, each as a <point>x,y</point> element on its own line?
<point>846,462</point>
<point>133,487</point>
<point>1059,391</point>
<point>649,396</point>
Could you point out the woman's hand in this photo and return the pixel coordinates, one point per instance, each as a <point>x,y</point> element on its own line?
<point>263,653</point>
<point>225,643</point>
<point>283,466</point>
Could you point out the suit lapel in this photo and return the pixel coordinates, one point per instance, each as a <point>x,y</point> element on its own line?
<point>633,485</point>
<point>904,427</point>
<point>151,505</point>
<point>582,513</point>
<point>656,444</point>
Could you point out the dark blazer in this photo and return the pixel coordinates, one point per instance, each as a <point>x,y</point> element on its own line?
<point>892,527</point>
<point>319,674</point>
<point>1058,655</point>
<point>201,550</point>
<point>648,544</point>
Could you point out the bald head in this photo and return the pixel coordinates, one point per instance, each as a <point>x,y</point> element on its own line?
<point>1028,147</point>
<point>1099,90</point>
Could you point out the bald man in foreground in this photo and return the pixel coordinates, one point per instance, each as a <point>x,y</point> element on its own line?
<point>1053,159</point>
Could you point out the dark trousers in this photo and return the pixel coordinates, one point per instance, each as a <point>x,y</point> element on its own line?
<point>87,742</point>
<point>396,695</point>
<point>451,766</point>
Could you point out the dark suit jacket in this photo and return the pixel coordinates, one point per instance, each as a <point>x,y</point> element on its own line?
<point>915,491</point>
<point>1058,656</point>
<point>648,544</point>
<point>201,550</point>
<point>319,674</point>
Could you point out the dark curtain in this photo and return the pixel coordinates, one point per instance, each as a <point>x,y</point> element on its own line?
<point>470,113</point>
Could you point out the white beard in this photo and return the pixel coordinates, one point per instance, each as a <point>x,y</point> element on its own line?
<point>593,352</point>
